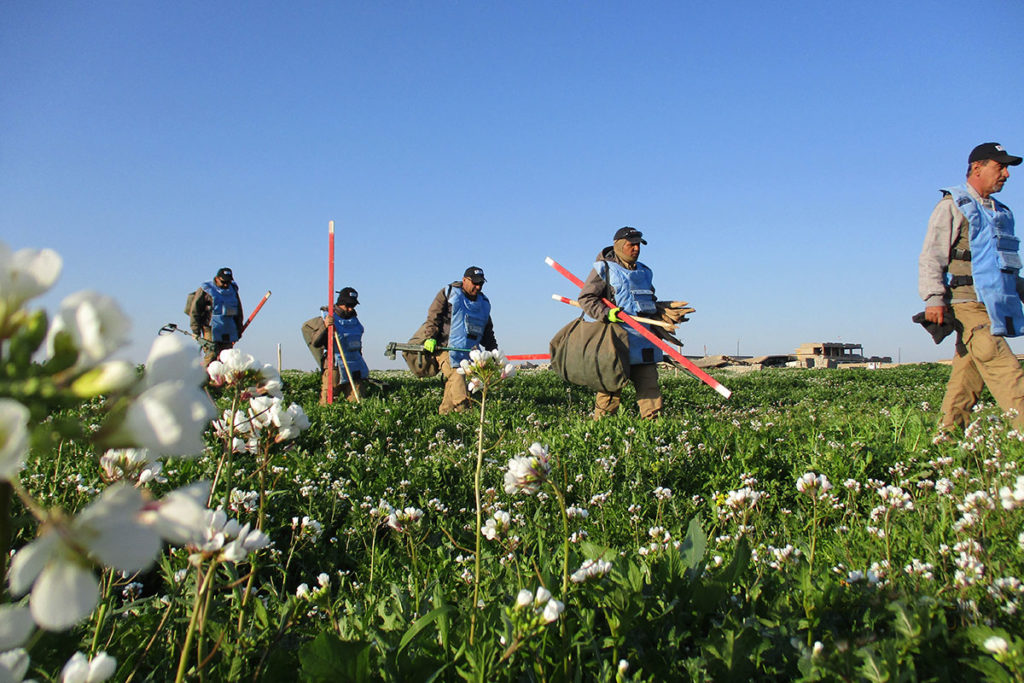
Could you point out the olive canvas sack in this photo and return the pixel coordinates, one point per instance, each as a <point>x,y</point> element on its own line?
<point>421,364</point>
<point>591,354</point>
<point>313,331</point>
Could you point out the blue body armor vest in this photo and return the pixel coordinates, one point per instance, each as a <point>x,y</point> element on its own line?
<point>469,320</point>
<point>995,262</point>
<point>350,336</point>
<point>634,294</point>
<point>226,307</point>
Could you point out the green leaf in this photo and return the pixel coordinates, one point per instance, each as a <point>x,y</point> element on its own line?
<point>872,668</point>
<point>694,545</point>
<point>421,624</point>
<point>906,624</point>
<point>328,658</point>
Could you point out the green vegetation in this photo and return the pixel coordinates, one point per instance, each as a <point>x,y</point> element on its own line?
<point>808,528</point>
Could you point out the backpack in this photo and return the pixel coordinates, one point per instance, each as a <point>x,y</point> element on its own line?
<point>591,354</point>
<point>313,333</point>
<point>189,300</point>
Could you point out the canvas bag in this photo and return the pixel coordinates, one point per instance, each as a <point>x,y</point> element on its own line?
<point>312,330</point>
<point>591,354</point>
<point>421,364</point>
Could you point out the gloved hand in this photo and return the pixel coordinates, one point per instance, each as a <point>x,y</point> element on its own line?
<point>613,315</point>
<point>430,345</point>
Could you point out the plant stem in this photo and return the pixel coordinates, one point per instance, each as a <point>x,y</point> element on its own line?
<point>479,513</point>
<point>201,586</point>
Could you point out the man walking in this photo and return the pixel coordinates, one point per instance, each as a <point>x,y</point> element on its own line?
<point>459,317</point>
<point>968,272</point>
<point>619,277</point>
<point>216,314</point>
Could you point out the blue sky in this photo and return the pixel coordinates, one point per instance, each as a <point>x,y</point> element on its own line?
<point>781,158</point>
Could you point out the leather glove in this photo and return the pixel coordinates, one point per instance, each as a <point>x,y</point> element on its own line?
<point>613,315</point>
<point>430,345</point>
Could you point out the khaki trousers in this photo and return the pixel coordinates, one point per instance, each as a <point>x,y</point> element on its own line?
<point>648,394</point>
<point>456,398</point>
<point>981,359</point>
<point>339,388</point>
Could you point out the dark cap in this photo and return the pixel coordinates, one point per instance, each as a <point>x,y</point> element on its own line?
<point>475,275</point>
<point>348,297</point>
<point>994,151</point>
<point>225,274</point>
<point>632,234</point>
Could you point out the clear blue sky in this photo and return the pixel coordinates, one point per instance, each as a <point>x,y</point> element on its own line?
<point>781,158</point>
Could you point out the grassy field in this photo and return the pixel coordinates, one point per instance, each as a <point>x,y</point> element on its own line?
<point>808,528</point>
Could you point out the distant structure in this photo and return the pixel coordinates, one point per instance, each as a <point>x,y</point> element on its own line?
<point>832,354</point>
<point>809,355</point>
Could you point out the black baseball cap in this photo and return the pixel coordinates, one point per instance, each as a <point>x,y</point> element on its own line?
<point>632,234</point>
<point>348,297</point>
<point>225,274</point>
<point>475,275</point>
<point>994,151</point>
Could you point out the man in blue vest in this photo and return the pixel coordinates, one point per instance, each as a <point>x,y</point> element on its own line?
<point>459,317</point>
<point>968,273</point>
<point>619,277</point>
<point>216,313</point>
<point>348,342</point>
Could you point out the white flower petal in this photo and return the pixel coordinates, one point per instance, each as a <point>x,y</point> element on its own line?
<point>13,438</point>
<point>111,530</point>
<point>28,563</point>
<point>16,626</point>
<point>64,594</point>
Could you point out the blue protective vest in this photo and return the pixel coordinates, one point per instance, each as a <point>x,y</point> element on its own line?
<point>634,294</point>
<point>350,336</point>
<point>226,307</point>
<point>469,320</point>
<point>994,261</point>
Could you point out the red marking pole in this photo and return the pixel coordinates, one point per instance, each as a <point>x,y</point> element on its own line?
<point>256,310</point>
<point>649,336</point>
<point>330,315</point>
<point>529,356</point>
<point>646,321</point>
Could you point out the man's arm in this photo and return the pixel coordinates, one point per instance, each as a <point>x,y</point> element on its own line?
<point>933,262</point>
<point>594,289</point>
<point>199,316</point>
<point>488,341</point>
<point>436,315</point>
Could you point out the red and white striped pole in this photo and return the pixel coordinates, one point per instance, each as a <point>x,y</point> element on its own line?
<point>649,336</point>
<point>330,312</point>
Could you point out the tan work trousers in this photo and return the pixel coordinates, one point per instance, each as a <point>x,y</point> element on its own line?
<point>340,389</point>
<point>981,359</point>
<point>648,394</point>
<point>456,398</point>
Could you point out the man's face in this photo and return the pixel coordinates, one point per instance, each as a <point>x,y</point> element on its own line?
<point>344,310</point>
<point>989,176</point>
<point>471,288</point>
<point>631,249</point>
<point>221,282</point>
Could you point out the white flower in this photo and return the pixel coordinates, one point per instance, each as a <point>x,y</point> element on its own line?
<point>58,566</point>
<point>302,591</point>
<point>245,542</point>
<point>524,598</point>
<point>496,525</point>
<point>271,383</point>
<point>543,595</point>
<point>180,517</point>
<point>1012,499</point>
<point>96,324</point>
<point>231,365</point>
<point>996,645</point>
<point>137,465</point>
<point>13,665</point>
<point>591,569</point>
<point>813,485</point>
<point>289,422</point>
<point>552,610</point>
<point>16,626</point>
<point>172,412</point>
<point>527,473</point>
<point>323,579</point>
<point>13,437</point>
<point>80,669</point>
<point>24,275</point>
<point>623,667</point>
